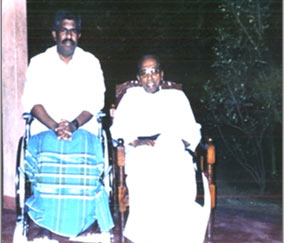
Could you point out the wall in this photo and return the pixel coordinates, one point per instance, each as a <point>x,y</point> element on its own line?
<point>14,63</point>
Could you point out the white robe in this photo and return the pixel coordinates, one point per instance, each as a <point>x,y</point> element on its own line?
<point>160,179</point>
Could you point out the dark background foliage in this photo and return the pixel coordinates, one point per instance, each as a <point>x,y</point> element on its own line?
<point>182,32</point>
<point>119,32</point>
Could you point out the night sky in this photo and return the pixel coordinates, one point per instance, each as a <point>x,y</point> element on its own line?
<point>119,32</point>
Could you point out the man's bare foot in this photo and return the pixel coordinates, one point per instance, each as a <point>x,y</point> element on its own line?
<point>43,235</point>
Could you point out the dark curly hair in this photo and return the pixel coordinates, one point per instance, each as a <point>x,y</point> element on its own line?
<point>67,14</point>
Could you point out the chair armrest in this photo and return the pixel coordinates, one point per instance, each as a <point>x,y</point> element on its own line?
<point>120,152</point>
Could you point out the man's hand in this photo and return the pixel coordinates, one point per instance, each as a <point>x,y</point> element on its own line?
<point>64,130</point>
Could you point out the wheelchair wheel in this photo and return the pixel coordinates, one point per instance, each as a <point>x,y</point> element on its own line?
<point>19,163</point>
<point>20,232</point>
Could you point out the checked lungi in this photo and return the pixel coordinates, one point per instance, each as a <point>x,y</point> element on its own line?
<point>67,195</point>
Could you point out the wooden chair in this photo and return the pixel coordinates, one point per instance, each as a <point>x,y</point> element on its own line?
<point>204,156</point>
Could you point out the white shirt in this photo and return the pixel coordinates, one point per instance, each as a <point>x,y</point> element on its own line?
<point>65,90</point>
<point>160,178</point>
<point>167,111</point>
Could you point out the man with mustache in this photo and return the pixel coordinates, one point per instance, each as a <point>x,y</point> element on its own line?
<point>64,91</point>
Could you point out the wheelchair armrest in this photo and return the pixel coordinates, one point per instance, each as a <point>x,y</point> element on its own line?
<point>28,117</point>
<point>99,116</point>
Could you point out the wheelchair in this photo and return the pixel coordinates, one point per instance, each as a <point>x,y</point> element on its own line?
<point>23,187</point>
<point>203,156</point>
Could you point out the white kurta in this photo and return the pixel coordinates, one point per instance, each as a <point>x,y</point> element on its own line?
<point>65,90</point>
<point>160,179</point>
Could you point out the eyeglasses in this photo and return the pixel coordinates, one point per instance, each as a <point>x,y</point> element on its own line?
<point>149,71</point>
<point>67,31</point>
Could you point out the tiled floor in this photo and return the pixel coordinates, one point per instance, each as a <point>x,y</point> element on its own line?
<point>230,226</point>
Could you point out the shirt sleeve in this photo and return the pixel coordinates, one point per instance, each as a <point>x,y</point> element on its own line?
<point>189,128</point>
<point>93,98</point>
<point>32,89</point>
<point>121,126</point>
